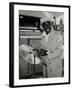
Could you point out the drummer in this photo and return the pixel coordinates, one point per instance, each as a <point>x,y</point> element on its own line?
<point>52,42</point>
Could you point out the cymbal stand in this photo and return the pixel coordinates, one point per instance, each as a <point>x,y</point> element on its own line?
<point>34,67</point>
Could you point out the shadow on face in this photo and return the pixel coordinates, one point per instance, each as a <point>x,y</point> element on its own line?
<point>47,26</point>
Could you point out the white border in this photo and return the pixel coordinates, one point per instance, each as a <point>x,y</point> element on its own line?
<point>16,46</point>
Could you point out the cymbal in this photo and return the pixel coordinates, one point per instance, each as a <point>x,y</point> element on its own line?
<point>30,59</point>
<point>26,48</point>
<point>27,53</point>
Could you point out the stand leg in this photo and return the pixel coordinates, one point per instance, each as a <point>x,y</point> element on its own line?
<point>46,73</point>
<point>28,42</point>
<point>34,66</point>
<point>28,67</point>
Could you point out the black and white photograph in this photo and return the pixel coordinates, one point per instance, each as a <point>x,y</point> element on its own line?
<point>41,44</point>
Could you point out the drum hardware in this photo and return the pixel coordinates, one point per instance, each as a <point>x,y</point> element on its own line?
<point>46,69</point>
<point>31,57</point>
<point>34,67</point>
<point>44,64</point>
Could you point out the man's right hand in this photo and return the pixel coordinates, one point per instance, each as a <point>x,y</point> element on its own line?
<point>43,52</point>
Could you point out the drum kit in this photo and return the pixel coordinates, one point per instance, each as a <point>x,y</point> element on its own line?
<point>28,53</point>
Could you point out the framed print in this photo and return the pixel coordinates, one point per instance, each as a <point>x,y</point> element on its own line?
<point>39,40</point>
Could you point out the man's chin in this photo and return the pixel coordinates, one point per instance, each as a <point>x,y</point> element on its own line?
<point>48,32</point>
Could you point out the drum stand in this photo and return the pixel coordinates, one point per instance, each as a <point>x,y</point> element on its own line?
<point>45,69</point>
<point>33,75</point>
<point>34,67</point>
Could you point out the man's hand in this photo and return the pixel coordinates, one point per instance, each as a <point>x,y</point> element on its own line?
<point>43,52</point>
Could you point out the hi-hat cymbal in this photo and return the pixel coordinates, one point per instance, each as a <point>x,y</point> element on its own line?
<point>26,48</point>
<point>28,55</point>
<point>30,58</point>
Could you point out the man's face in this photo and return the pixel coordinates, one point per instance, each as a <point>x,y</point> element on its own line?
<point>47,26</point>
